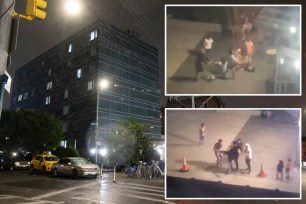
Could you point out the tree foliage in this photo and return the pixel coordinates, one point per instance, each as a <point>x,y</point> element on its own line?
<point>62,152</point>
<point>129,141</point>
<point>32,130</point>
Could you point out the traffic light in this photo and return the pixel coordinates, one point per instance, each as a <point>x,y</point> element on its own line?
<point>34,8</point>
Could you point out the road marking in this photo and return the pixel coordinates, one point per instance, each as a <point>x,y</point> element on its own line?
<point>132,184</point>
<point>154,194</point>
<point>7,197</point>
<point>61,191</point>
<point>151,199</point>
<point>132,187</point>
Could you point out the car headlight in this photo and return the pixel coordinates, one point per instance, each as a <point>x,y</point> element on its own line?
<point>17,164</point>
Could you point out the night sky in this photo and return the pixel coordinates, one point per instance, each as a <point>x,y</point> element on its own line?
<point>144,16</point>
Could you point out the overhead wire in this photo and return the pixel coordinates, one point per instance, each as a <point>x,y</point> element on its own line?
<point>7,9</point>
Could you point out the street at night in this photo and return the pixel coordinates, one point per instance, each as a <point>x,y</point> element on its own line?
<point>271,139</point>
<point>25,187</point>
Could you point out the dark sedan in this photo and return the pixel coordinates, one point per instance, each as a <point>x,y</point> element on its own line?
<point>13,161</point>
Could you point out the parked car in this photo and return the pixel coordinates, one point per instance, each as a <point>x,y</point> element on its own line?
<point>75,167</point>
<point>43,162</point>
<point>13,161</point>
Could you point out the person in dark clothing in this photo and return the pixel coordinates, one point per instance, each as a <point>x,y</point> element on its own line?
<point>200,59</point>
<point>233,155</point>
<point>217,148</point>
<point>279,169</point>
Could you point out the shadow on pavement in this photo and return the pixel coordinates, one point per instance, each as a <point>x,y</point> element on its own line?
<point>184,138</point>
<point>186,79</point>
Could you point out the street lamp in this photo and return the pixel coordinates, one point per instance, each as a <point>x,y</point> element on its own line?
<point>101,85</point>
<point>72,7</point>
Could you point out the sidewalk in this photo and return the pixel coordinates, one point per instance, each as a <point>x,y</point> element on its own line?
<point>270,141</point>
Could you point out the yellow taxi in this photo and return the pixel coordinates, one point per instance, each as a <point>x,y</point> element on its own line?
<point>43,162</point>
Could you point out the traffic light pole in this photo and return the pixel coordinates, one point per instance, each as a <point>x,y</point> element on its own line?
<point>6,10</point>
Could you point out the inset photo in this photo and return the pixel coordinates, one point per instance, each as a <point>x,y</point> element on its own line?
<point>233,50</point>
<point>233,154</point>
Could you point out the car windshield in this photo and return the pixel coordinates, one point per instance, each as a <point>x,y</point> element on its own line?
<point>51,158</point>
<point>79,161</point>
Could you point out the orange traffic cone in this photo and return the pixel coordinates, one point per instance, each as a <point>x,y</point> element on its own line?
<point>262,172</point>
<point>185,166</point>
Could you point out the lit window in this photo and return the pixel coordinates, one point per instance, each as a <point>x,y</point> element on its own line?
<point>49,72</point>
<point>66,93</point>
<point>79,73</point>
<point>65,110</point>
<point>48,100</point>
<point>19,97</point>
<point>90,86</point>
<point>70,48</point>
<point>49,85</point>
<point>93,35</point>
<point>65,127</point>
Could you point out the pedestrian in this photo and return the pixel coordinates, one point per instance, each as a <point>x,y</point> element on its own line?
<point>201,59</point>
<point>220,68</point>
<point>249,45</point>
<point>233,62</point>
<point>208,42</point>
<point>240,145</point>
<point>248,156</point>
<point>217,151</point>
<point>288,167</point>
<point>246,28</point>
<point>279,169</point>
<point>233,155</point>
<point>202,133</point>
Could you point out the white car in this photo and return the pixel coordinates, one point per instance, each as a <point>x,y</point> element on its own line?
<point>75,167</point>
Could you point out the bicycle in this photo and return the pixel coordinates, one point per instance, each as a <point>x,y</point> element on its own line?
<point>130,171</point>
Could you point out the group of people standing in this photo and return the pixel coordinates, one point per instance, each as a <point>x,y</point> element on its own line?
<point>238,58</point>
<point>236,149</point>
<point>280,167</point>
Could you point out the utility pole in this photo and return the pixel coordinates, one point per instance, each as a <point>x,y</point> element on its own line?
<point>6,10</point>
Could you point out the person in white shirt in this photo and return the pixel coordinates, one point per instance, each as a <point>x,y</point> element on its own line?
<point>248,156</point>
<point>208,42</point>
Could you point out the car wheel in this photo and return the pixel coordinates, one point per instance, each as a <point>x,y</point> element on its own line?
<point>55,172</point>
<point>44,171</point>
<point>75,174</point>
<point>32,170</point>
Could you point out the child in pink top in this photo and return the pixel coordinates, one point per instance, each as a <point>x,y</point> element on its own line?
<point>288,167</point>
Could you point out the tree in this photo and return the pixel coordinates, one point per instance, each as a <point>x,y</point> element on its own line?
<point>129,140</point>
<point>62,152</point>
<point>32,130</point>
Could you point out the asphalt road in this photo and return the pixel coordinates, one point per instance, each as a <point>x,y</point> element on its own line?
<point>24,187</point>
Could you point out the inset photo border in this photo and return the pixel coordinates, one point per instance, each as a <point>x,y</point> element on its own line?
<point>233,50</point>
<point>223,154</point>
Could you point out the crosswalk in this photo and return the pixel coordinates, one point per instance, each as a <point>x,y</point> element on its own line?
<point>143,192</point>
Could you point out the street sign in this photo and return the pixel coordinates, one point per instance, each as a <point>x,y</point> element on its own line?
<point>93,123</point>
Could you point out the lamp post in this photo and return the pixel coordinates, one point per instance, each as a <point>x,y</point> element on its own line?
<point>102,85</point>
